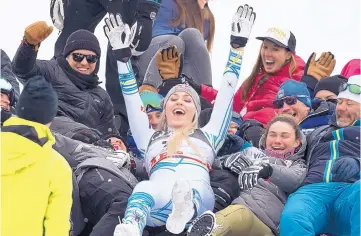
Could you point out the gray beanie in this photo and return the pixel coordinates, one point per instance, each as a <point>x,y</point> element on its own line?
<point>187,89</point>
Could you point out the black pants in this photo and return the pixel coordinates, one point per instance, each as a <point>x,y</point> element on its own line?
<point>87,14</point>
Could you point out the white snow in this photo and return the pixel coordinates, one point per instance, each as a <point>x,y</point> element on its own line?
<point>322,25</point>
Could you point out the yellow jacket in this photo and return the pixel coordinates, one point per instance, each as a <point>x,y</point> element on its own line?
<point>36,182</point>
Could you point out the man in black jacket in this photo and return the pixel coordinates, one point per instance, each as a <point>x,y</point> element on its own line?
<point>73,76</point>
<point>70,16</point>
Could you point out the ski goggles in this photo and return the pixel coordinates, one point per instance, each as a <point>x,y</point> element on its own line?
<point>151,101</point>
<point>78,57</point>
<point>289,100</point>
<point>7,88</point>
<point>353,88</point>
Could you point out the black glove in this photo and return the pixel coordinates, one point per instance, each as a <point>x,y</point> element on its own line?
<point>186,80</point>
<point>249,176</point>
<point>86,136</point>
<point>236,163</point>
<point>147,11</point>
<point>251,131</point>
<point>232,144</point>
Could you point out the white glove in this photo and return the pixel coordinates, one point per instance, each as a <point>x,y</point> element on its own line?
<point>119,158</point>
<point>115,28</point>
<point>242,23</point>
<point>57,13</point>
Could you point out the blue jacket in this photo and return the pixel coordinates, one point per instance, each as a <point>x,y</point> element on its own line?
<point>168,12</point>
<point>328,143</point>
<point>319,116</point>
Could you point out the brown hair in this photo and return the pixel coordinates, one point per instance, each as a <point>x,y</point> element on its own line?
<point>248,83</point>
<point>192,16</point>
<point>285,119</point>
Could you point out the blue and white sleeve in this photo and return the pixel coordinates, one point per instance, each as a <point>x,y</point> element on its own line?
<point>217,127</point>
<point>138,119</point>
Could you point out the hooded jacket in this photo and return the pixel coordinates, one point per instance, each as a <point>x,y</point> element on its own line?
<point>36,182</point>
<point>258,105</point>
<point>267,199</point>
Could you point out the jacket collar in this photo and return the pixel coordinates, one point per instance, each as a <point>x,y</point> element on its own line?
<point>33,131</point>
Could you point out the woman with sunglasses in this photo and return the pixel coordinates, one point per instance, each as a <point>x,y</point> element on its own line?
<point>178,156</point>
<point>73,76</point>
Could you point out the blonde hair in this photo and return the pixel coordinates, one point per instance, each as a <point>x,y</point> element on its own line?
<point>248,83</point>
<point>175,140</point>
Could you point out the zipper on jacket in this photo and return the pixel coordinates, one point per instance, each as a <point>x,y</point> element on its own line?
<point>100,175</point>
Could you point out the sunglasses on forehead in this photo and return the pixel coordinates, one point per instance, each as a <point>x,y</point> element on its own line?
<point>289,100</point>
<point>353,88</point>
<point>78,57</point>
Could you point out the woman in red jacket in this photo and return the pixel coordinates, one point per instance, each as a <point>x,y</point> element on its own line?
<point>276,63</point>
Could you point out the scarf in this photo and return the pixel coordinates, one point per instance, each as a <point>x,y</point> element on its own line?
<point>78,79</point>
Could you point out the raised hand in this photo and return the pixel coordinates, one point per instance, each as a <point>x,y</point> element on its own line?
<point>242,23</point>
<point>37,32</point>
<point>169,63</point>
<point>120,36</point>
<point>321,68</point>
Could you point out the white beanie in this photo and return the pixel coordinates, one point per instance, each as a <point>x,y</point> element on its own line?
<point>356,80</point>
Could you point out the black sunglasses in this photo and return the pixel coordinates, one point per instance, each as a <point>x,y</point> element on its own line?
<point>288,100</point>
<point>78,57</point>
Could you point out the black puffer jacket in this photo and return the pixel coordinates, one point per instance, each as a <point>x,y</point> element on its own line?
<point>6,73</point>
<point>90,106</point>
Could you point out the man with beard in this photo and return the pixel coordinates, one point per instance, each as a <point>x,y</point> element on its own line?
<point>329,199</point>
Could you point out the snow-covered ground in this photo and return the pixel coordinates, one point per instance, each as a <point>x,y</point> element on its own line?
<point>319,25</point>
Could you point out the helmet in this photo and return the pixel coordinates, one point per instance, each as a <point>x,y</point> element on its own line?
<point>7,88</point>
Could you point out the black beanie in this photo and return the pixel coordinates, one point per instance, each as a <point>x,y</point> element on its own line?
<point>82,39</point>
<point>38,101</point>
<point>331,84</point>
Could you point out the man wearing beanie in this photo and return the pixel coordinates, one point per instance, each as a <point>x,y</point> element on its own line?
<point>31,169</point>
<point>294,99</point>
<point>328,88</point>
<point>73,76</point>
<point>328,200</point>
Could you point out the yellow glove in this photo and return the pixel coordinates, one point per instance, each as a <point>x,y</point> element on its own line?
<point>169,62</point>
<point>321,68</point>
<point>37,32</point>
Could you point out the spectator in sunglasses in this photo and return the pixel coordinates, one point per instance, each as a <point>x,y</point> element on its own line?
<point>329,199</point>
<point>328,88</point>
<point>73,76</point>
<point>348,106</point>
<point>294,99</point>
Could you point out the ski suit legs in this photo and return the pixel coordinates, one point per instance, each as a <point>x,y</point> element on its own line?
<point>332,208</point>
<point>196,63</point>
<point>151,200</point>
<point>239,220</point>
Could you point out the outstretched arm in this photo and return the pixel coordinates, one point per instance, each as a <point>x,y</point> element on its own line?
<point>218,125</point>
<point>138,120</point>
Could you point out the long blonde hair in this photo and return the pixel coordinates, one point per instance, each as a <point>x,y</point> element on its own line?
<point>248,83</point>
<point>192,16</point>
<point>175,140</point>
